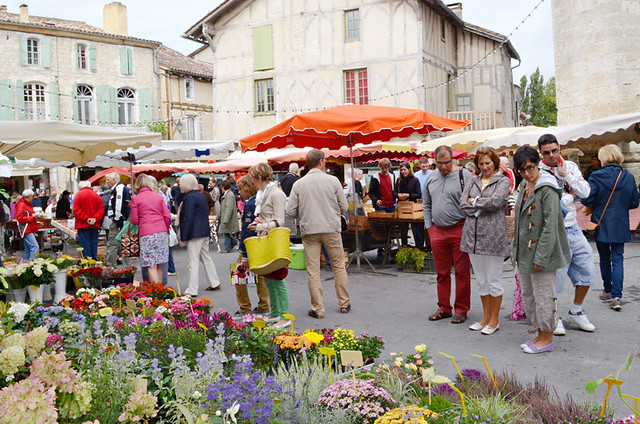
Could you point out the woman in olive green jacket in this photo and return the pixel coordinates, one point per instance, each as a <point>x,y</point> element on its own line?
<point>539,246</point>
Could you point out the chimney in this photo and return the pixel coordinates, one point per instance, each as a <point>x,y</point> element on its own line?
<point>3,7</point>
<point>456,8</point>
<point>115,18</point>
<point>24,14</point>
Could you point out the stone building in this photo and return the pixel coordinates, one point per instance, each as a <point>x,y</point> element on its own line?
<point>273,59</point>
<point>187,96</point>
<point>57,69</point>
<point>596,58</point>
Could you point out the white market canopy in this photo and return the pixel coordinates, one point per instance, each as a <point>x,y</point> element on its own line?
<point>56,141</point>
<point>588,136</point>
<point>469,141</point>
<point>175,150</point>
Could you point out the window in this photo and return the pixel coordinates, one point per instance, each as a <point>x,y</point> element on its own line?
<point>84,103</point>
<point>81,56</point>
<point>356,87</point>
<point>464,103</point>
<point>352,25</point>
<point>33,51</point>
<point>188,88</point>
<point>265,100</point>
<point>126,99</point>
<point>34,104</point>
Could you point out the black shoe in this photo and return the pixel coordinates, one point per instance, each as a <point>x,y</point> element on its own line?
<point>256,310</point>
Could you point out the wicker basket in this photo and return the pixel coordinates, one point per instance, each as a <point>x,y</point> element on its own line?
<point>269,253</point>
<point>511,224</point>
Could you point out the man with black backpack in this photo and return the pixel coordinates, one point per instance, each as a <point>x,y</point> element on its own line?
<point>444,220</point>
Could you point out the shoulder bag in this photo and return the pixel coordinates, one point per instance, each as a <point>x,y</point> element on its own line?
<point>593,228</point>
<point>130,244</point>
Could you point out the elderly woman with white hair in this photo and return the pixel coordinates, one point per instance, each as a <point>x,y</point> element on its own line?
<point>194,233</point>
<point>28,224</point>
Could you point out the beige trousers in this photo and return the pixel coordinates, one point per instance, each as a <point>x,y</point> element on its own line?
<point>312,251</point>
<point>539,299</point>
<point>198,251</point>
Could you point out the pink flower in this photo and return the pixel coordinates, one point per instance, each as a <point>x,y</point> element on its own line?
<point>430,362</point>
<point>419,362</point>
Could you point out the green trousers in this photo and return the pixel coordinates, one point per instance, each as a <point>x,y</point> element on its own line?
<point>278,297</point>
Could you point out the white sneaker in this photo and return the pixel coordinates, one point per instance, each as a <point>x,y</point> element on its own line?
<point>580,319</point>
<point>559,331</point>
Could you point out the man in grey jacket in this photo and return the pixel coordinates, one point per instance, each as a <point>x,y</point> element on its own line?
<point>317,200</point>
<point>444,220</point>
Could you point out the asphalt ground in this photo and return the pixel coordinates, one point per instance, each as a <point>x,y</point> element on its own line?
<point>395,305</point>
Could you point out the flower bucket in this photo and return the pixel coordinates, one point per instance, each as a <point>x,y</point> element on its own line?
<point>17,295</point>
<point>60,286</point>
<point>46,293</point>
<point>35,294</point>
<point>269,253</point>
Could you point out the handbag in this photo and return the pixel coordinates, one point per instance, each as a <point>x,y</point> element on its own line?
<point>592,228</point>
<point>269,253</point>
<point>130,244</point>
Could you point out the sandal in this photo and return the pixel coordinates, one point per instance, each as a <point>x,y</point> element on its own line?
<point>440,314</point>
<point>346,310</point>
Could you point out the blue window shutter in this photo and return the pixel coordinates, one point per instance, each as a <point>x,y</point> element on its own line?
<point>146,114</point>
<point>124,68</point>
<point>20,99</point>
<point>46,53</point>
<point>92,58</point>
<point>23,51</point>
<point>54,101</point>
<point>6,100</point>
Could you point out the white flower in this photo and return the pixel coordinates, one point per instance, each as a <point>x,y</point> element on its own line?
<point>197,395</point>
<point>161,310</point>
<point>37,271</point>
<point>231,412</point>
<point>19,310</point>
<point>52,268</point>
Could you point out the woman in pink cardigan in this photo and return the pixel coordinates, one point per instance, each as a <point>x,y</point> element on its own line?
<point>151,215</point>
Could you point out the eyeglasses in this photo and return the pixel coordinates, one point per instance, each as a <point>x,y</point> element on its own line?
<point>527,169</point>
<point>446,163</point>
<point>551,152</point>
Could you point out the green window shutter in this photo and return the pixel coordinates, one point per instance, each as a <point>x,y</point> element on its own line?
<point>124,67</point>
<point>262,48</point>
<point>46,52</point>
<point>23,51</point>
<point>20,99</point>
<point>6,100</point>
<point>54,101</point>
<point>146,114</point>
<point>92,58</point>
<point>74,103</point>
<point>113,104</point>
<point>104,105</point>
<point>129,62</point>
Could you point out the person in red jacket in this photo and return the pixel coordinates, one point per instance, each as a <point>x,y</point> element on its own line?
<point>88,210</point>
<point>26,217</point>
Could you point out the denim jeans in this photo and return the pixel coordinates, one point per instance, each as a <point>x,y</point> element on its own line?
<point>228,242</point>
<point>30,246</point>
<point>611,267</point>
<point>88,240</point>
<point>171,267</point>
<point>385,208</point>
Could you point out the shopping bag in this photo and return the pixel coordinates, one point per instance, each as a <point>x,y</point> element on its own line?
<point>173,237</point>
<point>270,252</point>
<point>129,242</point>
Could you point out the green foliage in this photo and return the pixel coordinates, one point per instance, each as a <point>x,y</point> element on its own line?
<point>158,127</point>
<point>539,99</point>
<point>412,258</point>
<point>497,408</point>
<point>154,341</point>
<point>438,404</point>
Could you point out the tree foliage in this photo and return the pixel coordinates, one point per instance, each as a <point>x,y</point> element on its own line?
<point>539,102</point>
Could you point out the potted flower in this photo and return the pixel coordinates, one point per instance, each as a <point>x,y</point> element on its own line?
<point>34,274</point>
<point>413,259</point>
<point>90,276</point>
<point>64,264</point>
<point>124,275</point>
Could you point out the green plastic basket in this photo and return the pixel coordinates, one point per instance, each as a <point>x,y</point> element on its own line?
<point>297,257</point>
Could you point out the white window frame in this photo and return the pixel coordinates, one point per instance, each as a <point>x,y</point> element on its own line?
<point>84,104</point>
<point>352,25</point>
<point>358,98</point>
<point>82,56</point>
<point>34,102</point>
<point>264,95</point>
<point>126,106</point>
<point>189,88</point>
<point>33,52</point>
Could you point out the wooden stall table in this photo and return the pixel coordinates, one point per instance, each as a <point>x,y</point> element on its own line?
<point>44,226</point>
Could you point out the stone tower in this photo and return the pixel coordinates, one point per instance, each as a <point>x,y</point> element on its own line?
<point>596,58</point>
